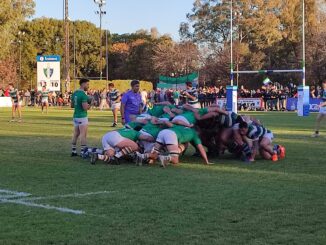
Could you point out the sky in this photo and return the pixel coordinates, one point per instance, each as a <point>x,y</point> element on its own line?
<point>123,16</point>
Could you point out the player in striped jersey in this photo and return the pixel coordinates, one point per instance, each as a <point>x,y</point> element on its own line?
<point>16,107</point>
<point>191,95</point>
<point>261,139</point>
<point>114,101</point>
<point>322,112</point>
<point>44,99</point>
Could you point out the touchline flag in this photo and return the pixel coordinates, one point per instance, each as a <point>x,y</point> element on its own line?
<point>267,81</point>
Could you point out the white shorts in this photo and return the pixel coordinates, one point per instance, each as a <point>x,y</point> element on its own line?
<point>269,136</point>
<point>111,139</point>
<point>115,106</point>
<point>167,137</point>
<point>322,110</point>
<point>196,106</point>
<point>181,118</point>
<point>80,121</point>
<point>45,100</point>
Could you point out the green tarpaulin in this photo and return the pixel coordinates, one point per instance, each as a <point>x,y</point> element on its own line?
<point>179,80</point>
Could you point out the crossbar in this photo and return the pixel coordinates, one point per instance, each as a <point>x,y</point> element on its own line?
<point>268,71</point>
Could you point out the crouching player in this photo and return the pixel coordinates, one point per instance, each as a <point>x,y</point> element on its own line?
<point>175,140</point>
<point>117,144</point>
<point>262,141</point>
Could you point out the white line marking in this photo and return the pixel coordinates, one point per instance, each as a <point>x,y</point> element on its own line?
<point>21,198</point>
<point>67,195</point>
<point>30,204</point>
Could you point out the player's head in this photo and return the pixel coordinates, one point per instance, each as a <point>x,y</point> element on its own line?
<point>84,84</point>
<point>243,128</point>
<point>43,88</point>
<point>10,85</point>
<point>135,86</point>
<point>111,86</point>
<point>189,84</point>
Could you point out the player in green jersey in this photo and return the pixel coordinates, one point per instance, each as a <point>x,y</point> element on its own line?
<point>175,139</point>
<point>16,107</point>
<point>79,102</point>
<point>117,144</point>
<point>44,99</point>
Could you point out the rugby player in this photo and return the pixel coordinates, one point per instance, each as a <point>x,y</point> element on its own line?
<point>80,103</point>
<point>175,139</point>
<point>16,106</point>
<point>114,101</point>
<point>117,144</point>
<point>44,99</point>
<point>322,111</point>
<point>261,140</point>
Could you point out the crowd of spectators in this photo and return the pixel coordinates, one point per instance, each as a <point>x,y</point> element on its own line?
<point>273,97</point>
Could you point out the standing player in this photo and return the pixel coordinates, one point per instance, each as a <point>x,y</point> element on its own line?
<point>322,111</point>
<point>79,101</point>
<point>15,98</point>
<point>191,95</point>
<point>44,99</point>
<point>114,101</point>
<point>131,103</point>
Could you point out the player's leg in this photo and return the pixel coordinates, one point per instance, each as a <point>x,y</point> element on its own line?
<point>19,110</point>
<point>74,140</point>
<point>13,112</point>
<point>46,107</point>
<point>267,150</point>
<point>83,128</point>
<point>115,116</point>
<point>319,119</point>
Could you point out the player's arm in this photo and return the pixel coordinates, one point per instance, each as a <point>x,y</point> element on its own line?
<point>85,104</point>
<point>177,111</point>
<point>202,152</point>
<point>218,110</point>
<point>206,116</point>
<point>163,103</point>
<point>190,96</point>
<point>119,97</point>
<point>122,112</point>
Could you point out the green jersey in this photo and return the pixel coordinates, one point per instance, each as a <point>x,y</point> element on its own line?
<point>157,110</point>
<point>129,133</point>
<point>13,94</point>
<point>134,125</point>
<point>190,116</point>
<point>152,129</point>
<point>176,95</point>
<point>186,135</point>
<point>78,98</point>
<point>45,94</point>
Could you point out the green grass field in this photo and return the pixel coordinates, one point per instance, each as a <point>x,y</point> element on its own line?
<point>227,203</point>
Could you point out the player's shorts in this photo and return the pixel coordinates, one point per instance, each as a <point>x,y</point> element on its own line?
<point>144,116</point>
<point>322,110</point>
<point>167,137</point>
<point>196,106</point>
<point>148,146</point>
<point>111,139</point>
<point>80,121</point>
<point>269,136</point>
<point>180,118</point>
<point>115,106</point>
<point>45,100</point>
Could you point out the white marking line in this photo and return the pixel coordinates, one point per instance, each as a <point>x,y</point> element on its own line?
<point>30,204</point>
<point>67,195</point>
<point>12,194</point>
<point>19,199</point>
